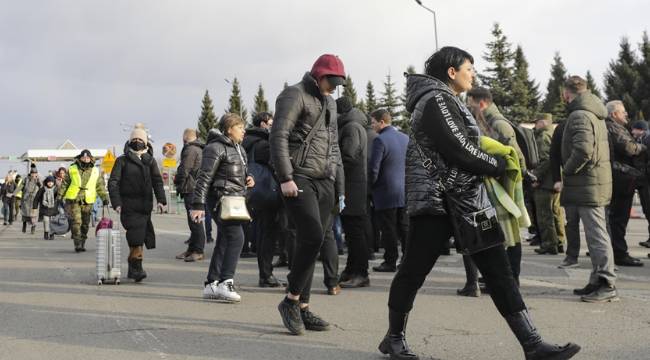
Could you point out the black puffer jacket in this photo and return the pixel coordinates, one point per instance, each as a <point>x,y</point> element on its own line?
<point>189,167</point>
<point>353,143</point>
<point>258,139</point>
<point>298,108</point>
<point>443,155</point>
<point>223,171</point>
<point>624,151</point>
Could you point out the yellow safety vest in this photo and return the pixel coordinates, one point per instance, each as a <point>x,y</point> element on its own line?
<point>75,185</point>
<point>19,194</point>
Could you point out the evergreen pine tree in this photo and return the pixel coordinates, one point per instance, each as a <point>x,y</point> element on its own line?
<point>236,105</point>
<point>349,91</point>
<point>622,79</point>
<point>405,115</point>
<point>261,105</point>
<point>553,103</point>
<point>371,99</point>
<point>362,106</point>
<point>389,100</point>
<point>643,67</point>
<point>207,119</point>
<point>498,75</point>
<point>591,84</point>
<point>525,92</point>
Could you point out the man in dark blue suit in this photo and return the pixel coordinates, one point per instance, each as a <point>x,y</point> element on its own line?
<point>386,175</point>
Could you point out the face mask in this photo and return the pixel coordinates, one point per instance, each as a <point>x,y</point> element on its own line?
<point>137,146</point>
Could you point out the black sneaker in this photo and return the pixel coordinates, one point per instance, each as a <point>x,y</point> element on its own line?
<point>384,267</point>
<point>291,316</point>
<point>586,290</point>
<point>605,293</point>
<point>628,261</point>
<point>270,282</point>
<point>312,321</point>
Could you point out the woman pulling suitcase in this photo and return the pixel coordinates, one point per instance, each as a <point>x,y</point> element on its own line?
<point>133,177</point>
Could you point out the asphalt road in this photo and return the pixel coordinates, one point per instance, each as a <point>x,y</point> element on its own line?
<point>51,308</point>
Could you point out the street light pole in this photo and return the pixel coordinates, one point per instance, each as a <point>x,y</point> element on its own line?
<point>435,23</point>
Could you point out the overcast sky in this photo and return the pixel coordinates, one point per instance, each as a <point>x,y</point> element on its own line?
<point>78,68</point>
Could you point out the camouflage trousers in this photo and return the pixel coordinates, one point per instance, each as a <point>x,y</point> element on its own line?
<point>550,218</point>
<point>79,215</point>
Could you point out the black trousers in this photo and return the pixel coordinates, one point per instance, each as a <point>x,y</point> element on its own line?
<point>271,228</point>
<point>227,248</point>
<point>309,213</point>
<point>329,253</point>
<point>197,230</point>
<point>427,237</point>
<point>644,196</point>
<point>619,216</point>
<point>394,227</point>
<point>355,237</point>
<point>373,233</point>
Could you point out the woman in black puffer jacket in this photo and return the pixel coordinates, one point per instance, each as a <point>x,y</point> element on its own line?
<point>223,172</point>
<point>445,168</point>
<point>134,181</point>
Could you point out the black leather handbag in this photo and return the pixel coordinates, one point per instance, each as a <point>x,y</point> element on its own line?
<point>476,227</point>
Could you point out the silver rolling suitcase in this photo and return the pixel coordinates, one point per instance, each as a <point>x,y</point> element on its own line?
<point>108,256</point>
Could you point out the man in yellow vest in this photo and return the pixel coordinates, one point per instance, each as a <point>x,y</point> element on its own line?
<point>79,189</point>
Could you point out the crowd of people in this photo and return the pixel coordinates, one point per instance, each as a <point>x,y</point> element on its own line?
<point>296,181</point>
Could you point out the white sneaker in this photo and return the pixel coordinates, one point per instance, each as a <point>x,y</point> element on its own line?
<point>226,291</point>
<point>210,291</point>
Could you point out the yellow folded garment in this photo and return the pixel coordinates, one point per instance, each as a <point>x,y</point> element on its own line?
<point>507,194</point>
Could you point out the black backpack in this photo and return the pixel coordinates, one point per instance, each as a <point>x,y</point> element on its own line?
<point>265,195</point>
<point>526,141</point>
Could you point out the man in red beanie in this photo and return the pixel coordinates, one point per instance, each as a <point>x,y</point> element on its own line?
<point>307,161</point>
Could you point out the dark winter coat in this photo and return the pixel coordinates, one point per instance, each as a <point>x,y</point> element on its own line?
<point>6,190</point>
<point>387,167</point>
<point>503,131</point>
<point>556,152</point>
<point>623,151</point>
<point>38,203</point>
<point>297,110</point>
<point>223,171</point>
<point>354,153</point>
<point>132,185</point>
<point>258,139</point>
<point>443,153</point>
<point>586,168</point>
<point>188,168</point>
<point>543,172</point>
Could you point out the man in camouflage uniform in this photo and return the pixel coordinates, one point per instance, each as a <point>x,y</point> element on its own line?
<point>79,189</point>
<point>550,216</point>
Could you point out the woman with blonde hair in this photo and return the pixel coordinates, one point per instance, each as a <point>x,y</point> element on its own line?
<point>223,174</point>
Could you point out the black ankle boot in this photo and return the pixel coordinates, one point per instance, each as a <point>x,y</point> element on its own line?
<point>33,229</point>
<point>24,227</point>
<point>394,343</point>
<point>46,235</point>
<point>534,347</point>
<point>471,273</point>
<point>136,272</point>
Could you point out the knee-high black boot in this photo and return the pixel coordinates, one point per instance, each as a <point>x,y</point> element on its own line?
<point>471,285</point>
<point>394,343</point>
<point>531,341</point>
<point>514,257</point>
<point>24,227</point>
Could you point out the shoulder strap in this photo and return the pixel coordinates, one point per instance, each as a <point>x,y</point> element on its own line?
<point>318,123</point>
